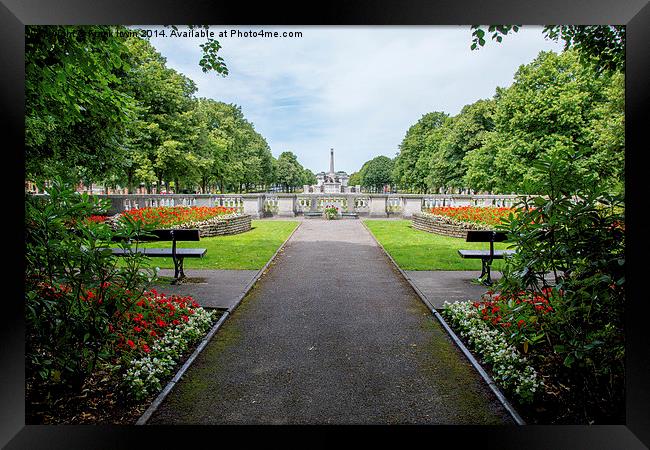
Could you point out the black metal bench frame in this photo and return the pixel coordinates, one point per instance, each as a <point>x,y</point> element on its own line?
<point>178,255</point>
<point>486,256</point>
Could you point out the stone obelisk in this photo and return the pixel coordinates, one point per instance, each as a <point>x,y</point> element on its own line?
<point>332,163</point>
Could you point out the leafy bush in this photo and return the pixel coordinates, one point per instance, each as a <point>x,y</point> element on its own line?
<point>331,212</point>
<point>73,285</point>
<point>575,233</point>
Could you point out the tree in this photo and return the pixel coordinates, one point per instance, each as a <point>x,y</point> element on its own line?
<point>160,129</point>
<point>462,134</point>
<point>75,114</point>
<point>355,179</point>
<point>289,172</point>
<point>547,110</point>
<point>98,100</point>
<point>603,46</point>
<point>308,177</point>
<point>407,173</point>
<point>377,173</point>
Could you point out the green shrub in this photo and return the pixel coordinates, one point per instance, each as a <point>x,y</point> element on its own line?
<point>73,285</point>
<point>575,232</point>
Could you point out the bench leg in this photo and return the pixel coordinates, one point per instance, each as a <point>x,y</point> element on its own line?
<point>485,271</point>
<point>179,275</point>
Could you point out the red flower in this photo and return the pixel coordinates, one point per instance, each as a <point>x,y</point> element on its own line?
<point>521,323</point>
<point>131,343</point>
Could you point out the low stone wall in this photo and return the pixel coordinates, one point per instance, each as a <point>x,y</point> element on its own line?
<point>219,226</point>
<point>443,225</point>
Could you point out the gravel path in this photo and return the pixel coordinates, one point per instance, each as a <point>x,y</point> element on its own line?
<point>331,334</point>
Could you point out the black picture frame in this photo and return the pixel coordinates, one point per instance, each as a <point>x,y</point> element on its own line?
<point>15,14</point>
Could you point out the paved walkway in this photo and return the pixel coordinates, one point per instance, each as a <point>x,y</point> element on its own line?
<point>331,334</point>
<point>210,288</point>
<point>449,285</point>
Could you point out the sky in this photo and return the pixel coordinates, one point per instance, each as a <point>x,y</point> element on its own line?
<point>356,89</point>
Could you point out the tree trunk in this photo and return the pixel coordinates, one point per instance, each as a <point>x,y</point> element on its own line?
<point>129,181</point>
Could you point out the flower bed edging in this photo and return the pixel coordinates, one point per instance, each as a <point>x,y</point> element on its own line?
<point>221,225</point>
<point>510,369</point>
<point>443,225</point>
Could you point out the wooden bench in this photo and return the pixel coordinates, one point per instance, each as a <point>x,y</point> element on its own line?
<point>486,256</point>
<point>178,255</point>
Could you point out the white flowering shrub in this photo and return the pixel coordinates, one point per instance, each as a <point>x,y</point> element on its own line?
<point>510,369</point>
<point>146,372</point>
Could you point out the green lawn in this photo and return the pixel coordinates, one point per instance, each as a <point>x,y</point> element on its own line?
<point>245,251</point>
<point>420,250</point>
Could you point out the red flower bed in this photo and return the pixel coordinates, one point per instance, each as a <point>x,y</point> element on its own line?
<point>96,219</point>
<point>149,318</point>
<point>176,215</point>
<point>482,215</point>
<point>522,312</point>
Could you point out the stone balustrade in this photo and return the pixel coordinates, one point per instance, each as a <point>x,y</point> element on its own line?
<point>290,205</point>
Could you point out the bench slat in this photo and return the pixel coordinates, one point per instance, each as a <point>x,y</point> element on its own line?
<point>485,236</point>
<point>479,254</point>
<point>185,235</point>
<point>164,252</point>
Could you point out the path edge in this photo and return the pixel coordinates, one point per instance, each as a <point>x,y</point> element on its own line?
<point>168,388</point>
<point>482,372</point>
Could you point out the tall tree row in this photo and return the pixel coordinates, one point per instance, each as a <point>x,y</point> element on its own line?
<point>557,104</point>
<point>104,108</point>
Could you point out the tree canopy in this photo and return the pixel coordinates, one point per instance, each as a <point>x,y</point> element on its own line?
<point>558,103</point>
<point>603,46</point>
<point>102,106</point>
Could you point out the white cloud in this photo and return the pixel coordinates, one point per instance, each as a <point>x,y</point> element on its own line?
<point>356,89</point>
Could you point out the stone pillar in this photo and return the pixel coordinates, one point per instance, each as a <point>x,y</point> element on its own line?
<point>287,205</point>
<point>254,206</point>
<point>410,206</point>
<point>377,206</point>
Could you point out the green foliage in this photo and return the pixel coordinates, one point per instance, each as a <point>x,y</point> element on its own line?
<point>288,171</point>
<point>549,109</point>
<point>210,59</point>
<point>73,286</point>
<point>576,233</point>
<point>106,108</point>
<point>602,46</point>
<point>355,179</point>
<point>75,113</point>
<point>556,104</point>
<point>411,164</point>
<point>377,173</point>
<point>309,177</point>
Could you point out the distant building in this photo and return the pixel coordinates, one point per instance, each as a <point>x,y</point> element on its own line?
<point>332,182</point>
